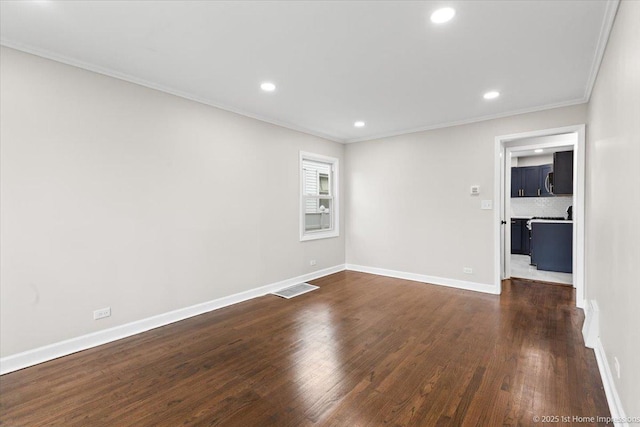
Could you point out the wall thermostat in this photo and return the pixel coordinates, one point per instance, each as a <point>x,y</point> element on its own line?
<point>475,190</point>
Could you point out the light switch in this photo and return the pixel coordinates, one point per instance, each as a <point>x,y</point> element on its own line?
<point>486,204</point>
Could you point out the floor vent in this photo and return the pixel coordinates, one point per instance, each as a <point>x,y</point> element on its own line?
<point>295,290</point>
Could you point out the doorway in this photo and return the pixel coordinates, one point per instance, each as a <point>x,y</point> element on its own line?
<point>531,152</point>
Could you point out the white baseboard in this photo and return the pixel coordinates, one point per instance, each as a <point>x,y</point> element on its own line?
<point>615,406</point>
<point>73,345</point>
<point>591,335</point>
<point>452,283</point>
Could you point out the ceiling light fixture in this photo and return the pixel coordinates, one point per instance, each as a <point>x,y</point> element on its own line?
<point>268,87</point>
<point>359,124</point>
<point>491,95</point>
<point>538,150</point>
<point>443,15</point>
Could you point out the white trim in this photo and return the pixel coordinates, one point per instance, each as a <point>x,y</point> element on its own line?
<point>334,181</point>
<point>440,281</point>
<point>607,24</point>
<point>591,335</point>
<point>469,121</point>
<point>151,85</point>
<point>73,345</point>
<point>603,39</point>
<point>613,399</point>
<point>579,221</point>
<point>500,214</point>
<point>500,188</point>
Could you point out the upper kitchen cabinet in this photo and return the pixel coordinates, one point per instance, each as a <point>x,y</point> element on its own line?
<point>524,181</point>
<point>516,182</point>
<point>530,181</point>
<point>562,182</point>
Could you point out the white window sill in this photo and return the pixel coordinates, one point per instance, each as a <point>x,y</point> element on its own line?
<point>319,235</point>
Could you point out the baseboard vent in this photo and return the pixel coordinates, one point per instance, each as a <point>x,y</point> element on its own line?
<point>62,348</point>
<point>295,290</point>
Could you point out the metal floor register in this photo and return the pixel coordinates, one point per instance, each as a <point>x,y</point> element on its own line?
<point>295,290</point>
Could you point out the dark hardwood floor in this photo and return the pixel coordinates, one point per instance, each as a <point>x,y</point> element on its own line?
<point>361,350</point>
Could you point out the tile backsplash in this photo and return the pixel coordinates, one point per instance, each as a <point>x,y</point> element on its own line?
<point>540,206</point>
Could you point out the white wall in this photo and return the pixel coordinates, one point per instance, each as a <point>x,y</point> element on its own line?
<point>613,202</point>
<point>118,195</point>
<point>408,205</point>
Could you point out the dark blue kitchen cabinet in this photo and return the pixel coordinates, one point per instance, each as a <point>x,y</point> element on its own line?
<point>529,181</point>
<point>519,236</point>
<point>552,246</point>
<point>563,172</point>
<point>516,236</point>
<point>524,181</point>
<point>545,184</point>
<point>516,182</point>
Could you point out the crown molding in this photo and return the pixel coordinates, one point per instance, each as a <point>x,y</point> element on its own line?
<point>469,121</point>
<point>603,39</point>
<point>605,31</point>
<point>151,85</point>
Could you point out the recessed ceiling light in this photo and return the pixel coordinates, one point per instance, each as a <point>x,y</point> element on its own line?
<point>538,150</point>
<point>491,95</point>
<point>443,15</point>
<point>268,87</point>
<point>359,124</point>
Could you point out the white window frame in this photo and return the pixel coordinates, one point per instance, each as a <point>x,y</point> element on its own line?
<point>334,185</point>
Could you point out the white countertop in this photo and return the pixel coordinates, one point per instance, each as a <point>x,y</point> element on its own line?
<point>553,221</point>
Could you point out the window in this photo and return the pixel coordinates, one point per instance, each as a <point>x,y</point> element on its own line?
<point>319,197</point>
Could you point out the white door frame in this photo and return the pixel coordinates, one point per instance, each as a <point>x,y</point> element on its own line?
<point>502,186</point>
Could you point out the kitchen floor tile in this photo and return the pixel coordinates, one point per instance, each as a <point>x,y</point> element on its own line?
<point>520,268</point>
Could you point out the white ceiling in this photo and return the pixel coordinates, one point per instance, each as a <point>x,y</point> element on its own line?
<point>334,62</point>
<point>526,147</point>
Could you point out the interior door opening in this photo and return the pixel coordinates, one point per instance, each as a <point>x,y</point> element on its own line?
<point>540,215</point>
<point>540,210</point>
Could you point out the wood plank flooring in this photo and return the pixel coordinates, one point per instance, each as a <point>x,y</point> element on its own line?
<point>362,350</point>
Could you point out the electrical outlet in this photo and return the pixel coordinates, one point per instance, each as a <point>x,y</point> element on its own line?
<point>468,270</point>
<point>102,313</point>
<point>312,262</point>
<point>617,365</point>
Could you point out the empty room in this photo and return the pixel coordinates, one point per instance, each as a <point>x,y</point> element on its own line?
<point>319,213</point>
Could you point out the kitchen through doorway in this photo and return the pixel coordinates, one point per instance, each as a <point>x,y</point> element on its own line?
<point>540,209</point>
